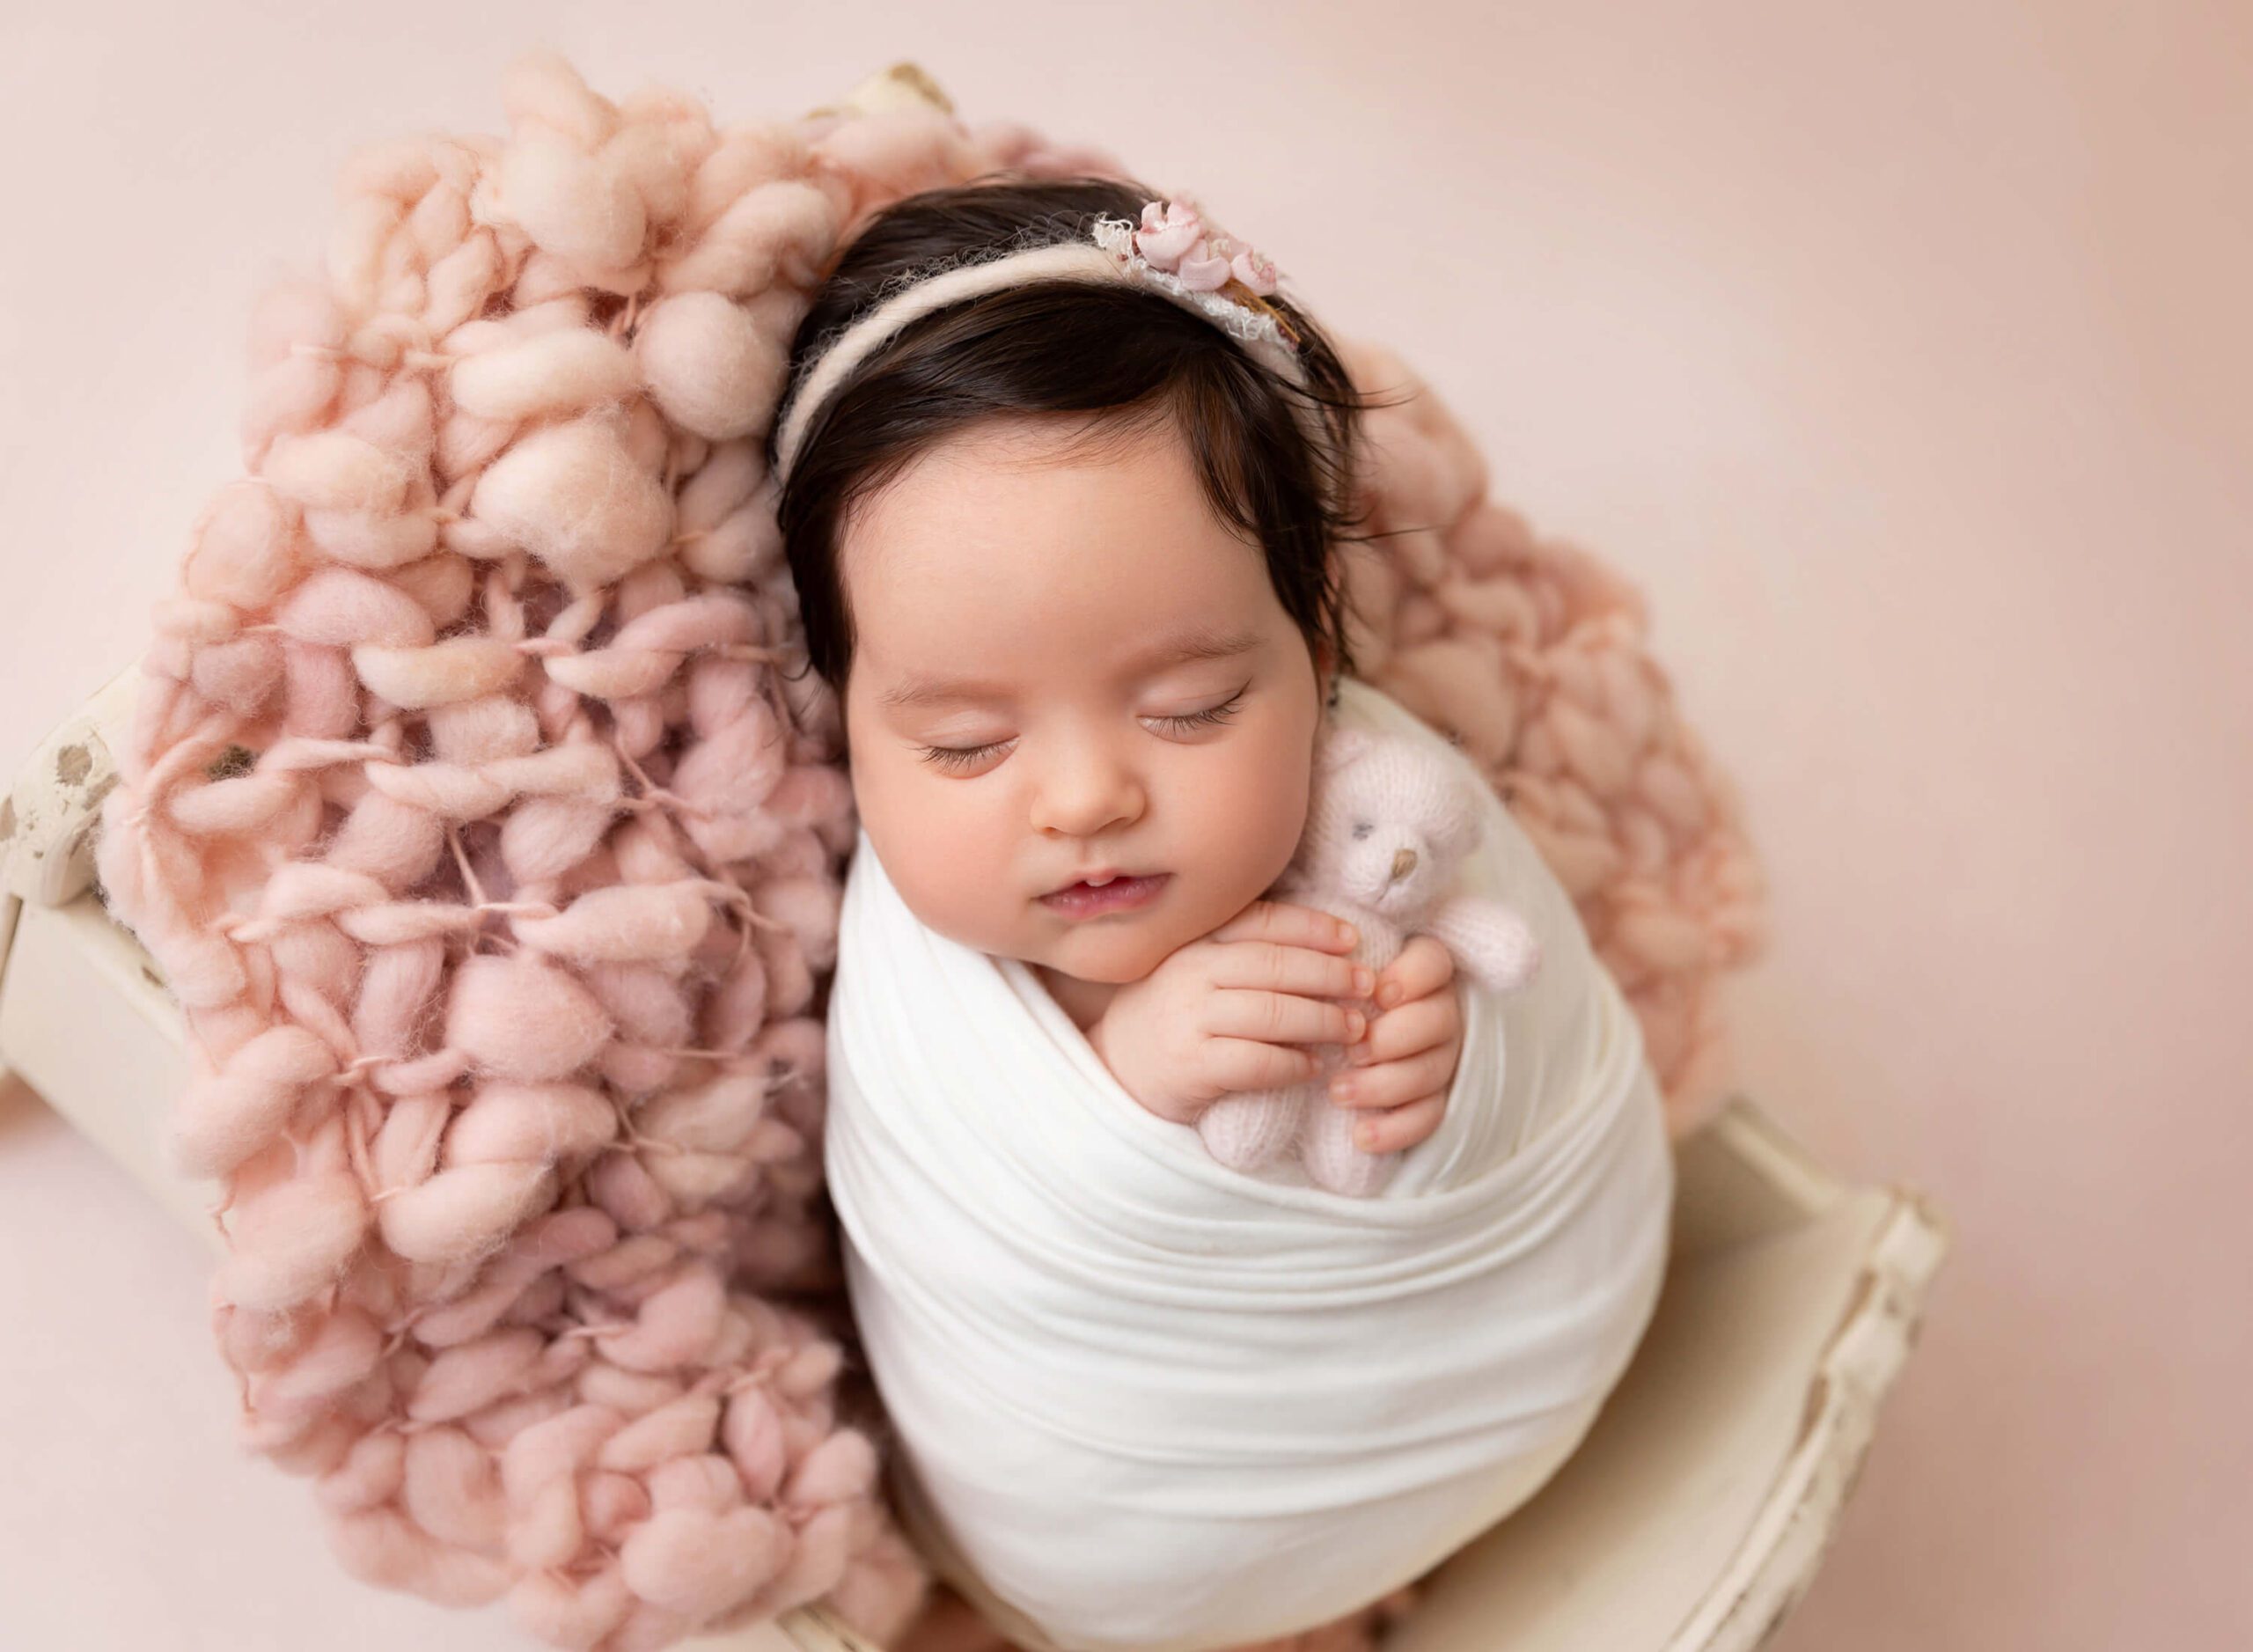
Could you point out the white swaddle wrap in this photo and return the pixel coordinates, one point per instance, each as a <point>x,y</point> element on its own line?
<point>1145,1401</point>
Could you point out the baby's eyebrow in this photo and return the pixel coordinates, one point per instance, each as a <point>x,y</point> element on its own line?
<point>1197,643</point>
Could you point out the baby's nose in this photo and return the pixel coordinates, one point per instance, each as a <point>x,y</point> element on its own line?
<point>1092,797</point>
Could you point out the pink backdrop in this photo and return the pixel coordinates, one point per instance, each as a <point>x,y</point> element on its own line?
<point>1900,352</point>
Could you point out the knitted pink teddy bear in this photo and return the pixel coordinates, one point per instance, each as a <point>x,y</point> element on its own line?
<point>1388,825</point>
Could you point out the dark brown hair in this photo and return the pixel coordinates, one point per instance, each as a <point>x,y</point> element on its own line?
<point>1125,356</point>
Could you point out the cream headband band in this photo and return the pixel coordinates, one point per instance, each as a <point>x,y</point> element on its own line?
<point>1175,252</point>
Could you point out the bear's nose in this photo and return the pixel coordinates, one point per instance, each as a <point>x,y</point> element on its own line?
<point>1404,862</point>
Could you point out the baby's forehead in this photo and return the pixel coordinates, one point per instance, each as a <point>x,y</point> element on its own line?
<point>1019,463</point>
<point>1045,525</point>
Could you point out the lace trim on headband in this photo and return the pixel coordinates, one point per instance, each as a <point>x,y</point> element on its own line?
<point>1116,236</point>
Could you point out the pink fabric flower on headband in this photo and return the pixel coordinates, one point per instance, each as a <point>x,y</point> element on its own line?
<point>1168,232</point>
<point>1176,239</point>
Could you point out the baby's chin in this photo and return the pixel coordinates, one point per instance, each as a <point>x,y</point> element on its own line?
<point>1111,970</point>
<point>1114,959</point>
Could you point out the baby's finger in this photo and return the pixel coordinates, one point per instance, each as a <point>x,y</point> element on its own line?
<point>1401,1127</point>
<point>1291,923</point>
<point>1423,968</point>
<point>1391,1084</point>
<point>1280,966</point>
<point>1231,1064</point>
<point>1410,1030</point>
<point>1281,1019</point>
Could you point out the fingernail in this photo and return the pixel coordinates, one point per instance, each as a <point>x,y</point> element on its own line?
<point>1363,982</point>
<point>1391,995</point>
<point>1365,1136</point>
<point>1347,932</point>
<point>1354,1026</point>
<point>1342,1087</point>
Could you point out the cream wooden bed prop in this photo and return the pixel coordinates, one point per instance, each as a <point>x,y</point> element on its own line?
<point>1691,1520</point>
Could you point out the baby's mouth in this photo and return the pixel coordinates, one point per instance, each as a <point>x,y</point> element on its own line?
<point>1086,899</point>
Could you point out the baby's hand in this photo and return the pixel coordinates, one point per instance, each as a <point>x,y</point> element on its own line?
<point>1402,1072</point>
<point>1226,1011</point>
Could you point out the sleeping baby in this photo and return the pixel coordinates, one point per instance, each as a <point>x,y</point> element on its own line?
<point>1063,485</point>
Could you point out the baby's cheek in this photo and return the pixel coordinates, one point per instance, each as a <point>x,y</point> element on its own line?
<point>1256,834</point>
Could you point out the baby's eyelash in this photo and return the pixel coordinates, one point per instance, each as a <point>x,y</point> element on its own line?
<point>964,756</point>
<point>1220,713</point>
<point>958,757</point>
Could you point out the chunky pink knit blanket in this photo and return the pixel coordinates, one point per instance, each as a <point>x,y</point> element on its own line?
<point>476,823</point>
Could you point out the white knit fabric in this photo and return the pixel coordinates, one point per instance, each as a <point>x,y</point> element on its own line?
<point>1144,1401</point>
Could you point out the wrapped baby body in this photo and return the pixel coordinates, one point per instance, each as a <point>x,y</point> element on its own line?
<point>1143,1400</point>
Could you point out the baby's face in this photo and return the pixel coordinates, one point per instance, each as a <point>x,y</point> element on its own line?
<point>1019,711</point>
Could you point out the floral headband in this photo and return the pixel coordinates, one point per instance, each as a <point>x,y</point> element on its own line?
<point>1177,250</point>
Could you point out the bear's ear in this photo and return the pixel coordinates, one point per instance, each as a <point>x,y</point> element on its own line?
<point>1342,745</point>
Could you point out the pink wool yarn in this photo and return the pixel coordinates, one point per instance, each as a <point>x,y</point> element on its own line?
<point>487,827</point>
